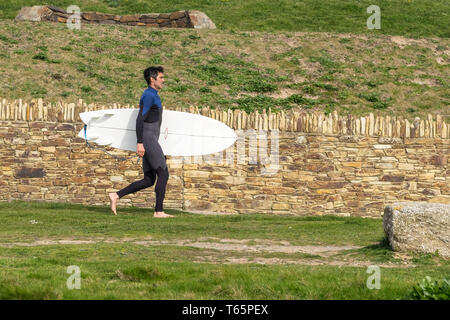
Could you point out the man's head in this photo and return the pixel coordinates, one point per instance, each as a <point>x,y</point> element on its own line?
<point>154,77</point>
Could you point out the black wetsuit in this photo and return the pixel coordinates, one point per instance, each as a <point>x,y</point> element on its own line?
<point>148,125</point>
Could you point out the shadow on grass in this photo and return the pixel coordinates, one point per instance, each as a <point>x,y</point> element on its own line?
<point>382,252</point>
<point>379,252</point>
<point>383,245</point>
<point>20,204</point>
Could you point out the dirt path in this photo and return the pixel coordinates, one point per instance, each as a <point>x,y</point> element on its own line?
<point>220,250</point>
<point>253,245</point>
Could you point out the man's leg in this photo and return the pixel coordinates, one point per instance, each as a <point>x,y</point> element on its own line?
<point>148,181</point>
<point>160,190</point>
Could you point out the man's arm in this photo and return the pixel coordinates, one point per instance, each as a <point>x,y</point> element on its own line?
<point>140,125</point>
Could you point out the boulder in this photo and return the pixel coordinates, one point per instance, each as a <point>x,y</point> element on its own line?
<point>34,13</point>
<point>418,226</point>
<point>199,20</point>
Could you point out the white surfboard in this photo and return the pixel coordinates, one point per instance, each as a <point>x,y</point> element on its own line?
<point>182,133</point>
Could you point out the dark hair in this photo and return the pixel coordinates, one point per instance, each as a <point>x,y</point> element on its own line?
<point>152,72</point>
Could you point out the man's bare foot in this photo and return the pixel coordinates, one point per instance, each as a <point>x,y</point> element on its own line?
<point>161,214</point>
<point>113,197</point>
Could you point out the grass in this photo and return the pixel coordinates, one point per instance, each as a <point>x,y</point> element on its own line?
<point>216,68</point>
<point>124,269</point>
<point>133,272</point>
<point>398,17</point>
<point>78,221</point>
<point>255,60</point>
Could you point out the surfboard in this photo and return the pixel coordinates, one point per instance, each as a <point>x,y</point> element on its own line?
<point>182,133</point>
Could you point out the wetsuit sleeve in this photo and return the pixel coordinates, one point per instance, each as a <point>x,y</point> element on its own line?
<point>140,124</point>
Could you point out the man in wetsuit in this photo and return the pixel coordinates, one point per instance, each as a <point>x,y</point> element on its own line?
<point>148,125</point>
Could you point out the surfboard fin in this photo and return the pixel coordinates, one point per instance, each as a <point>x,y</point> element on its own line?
<point>88,135</point>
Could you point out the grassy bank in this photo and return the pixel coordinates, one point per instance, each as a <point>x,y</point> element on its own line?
<point>246,70</point>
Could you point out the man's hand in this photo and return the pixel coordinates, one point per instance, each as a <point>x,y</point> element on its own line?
<point>140,150</point>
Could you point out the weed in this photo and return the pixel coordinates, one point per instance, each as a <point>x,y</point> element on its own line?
<point>205,90</point>
<point>380,105</point>
<point>326,86</point>
<point>343,94</point>
<point>8,40</point>
<point>41,56</point>
<point>344,40</point>
<point>297,85</point>
<point>372,83</point>
<point>107,80</point>
<point>429,289</point>
<point>308,90</point>
<point>86,89</point>
<point>371,97</point>
<point>124,58</point>
<point>177,88</point>
<point>81,66</point>
<point>213,74</point>
<point>155,60</point>
<point>255,85</point>
<point>327,77</point>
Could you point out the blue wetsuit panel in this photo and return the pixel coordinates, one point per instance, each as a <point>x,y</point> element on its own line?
<point>149,111</point>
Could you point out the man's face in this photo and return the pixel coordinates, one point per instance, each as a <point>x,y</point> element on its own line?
<point>158,83</point>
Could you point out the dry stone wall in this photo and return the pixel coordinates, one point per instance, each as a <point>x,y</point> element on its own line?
<point>349,166</point>
<point>178,19</point>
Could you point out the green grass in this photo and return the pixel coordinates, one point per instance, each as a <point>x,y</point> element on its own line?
<point>124,269</point>
<point>136,272</point>
<point>78,221</point>
<point>398,17</point>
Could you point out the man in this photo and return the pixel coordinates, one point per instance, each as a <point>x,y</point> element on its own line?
<point>148,125</point>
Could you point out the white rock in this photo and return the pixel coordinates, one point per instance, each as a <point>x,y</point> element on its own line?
<point>418,226</point>
<point>34,13</point>
<point>200,20</point>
